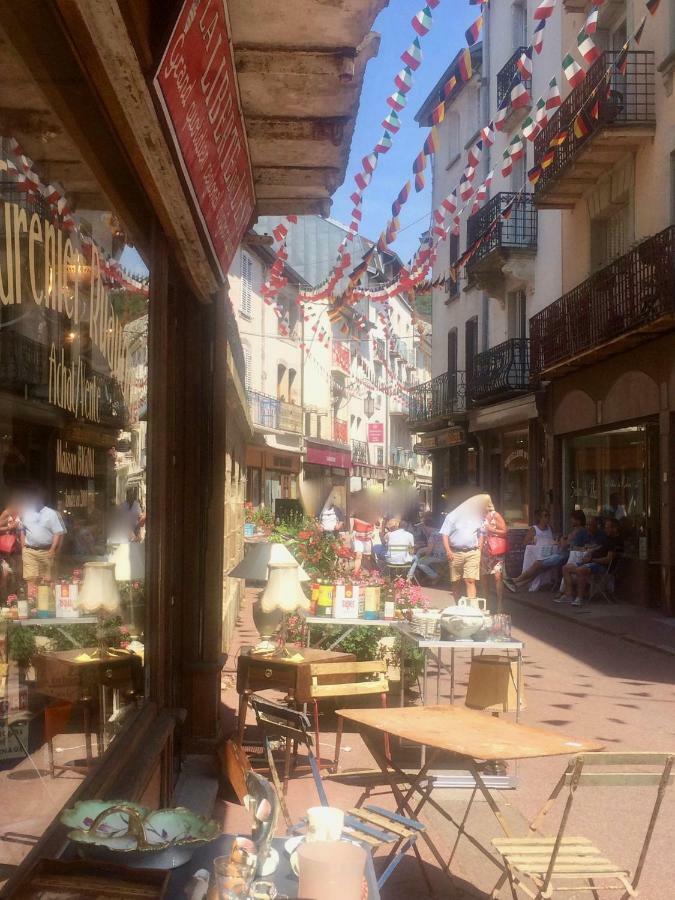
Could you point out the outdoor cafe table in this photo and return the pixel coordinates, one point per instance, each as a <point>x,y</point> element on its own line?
<point>471,737</point>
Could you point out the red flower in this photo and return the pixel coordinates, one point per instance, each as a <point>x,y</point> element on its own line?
<point>304,535</point>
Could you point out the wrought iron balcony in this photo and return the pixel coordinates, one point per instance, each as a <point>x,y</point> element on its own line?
<point>617,110</point>
<point>500,371</point>
<point>340,431</point>
<point>623,304</point>
<point>275,415</point>
<point>500,237</point>
<point>360,454</point>
<point>401,458</point>
<point>441,398</point>
<point>506,76</point>
<point>341,358</point>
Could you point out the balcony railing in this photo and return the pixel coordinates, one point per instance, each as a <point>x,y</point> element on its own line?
<point>342,358</point>
<point>360,454</point>
<point>268,412</point>
<point>518,232</point>
<point>500,371</point>
<point>506,75</point>
<point>340,431</point>
<point>401,458</point>
<point>633,295</point>
<point>439,398</point>
<point>622,101</point>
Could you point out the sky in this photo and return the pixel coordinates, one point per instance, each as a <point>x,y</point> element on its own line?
<point>450,20</point>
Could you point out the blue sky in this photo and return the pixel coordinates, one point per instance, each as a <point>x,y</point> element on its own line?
<point>450,20</point>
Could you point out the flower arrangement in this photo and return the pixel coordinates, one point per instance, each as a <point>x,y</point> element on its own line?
<point>409,596</point>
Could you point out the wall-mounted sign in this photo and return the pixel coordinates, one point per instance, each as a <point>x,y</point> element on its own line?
<point>325,456</point>
<point>196,85</point>
<point>450,437</point>
<point>75,459</point>
<point>376,433</point>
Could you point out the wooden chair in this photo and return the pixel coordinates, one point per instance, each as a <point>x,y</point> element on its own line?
<point>372,826</point>
<point>357,679</point>
<point>562,863</point>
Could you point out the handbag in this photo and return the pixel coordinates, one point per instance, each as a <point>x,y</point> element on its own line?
<point>496,545</point>
<point>8,543</point>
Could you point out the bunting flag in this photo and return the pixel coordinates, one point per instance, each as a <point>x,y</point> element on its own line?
<point>439,216</point>
<point>392,123</point>
<point>422,21</point>
<point>488,135</point>
<point>449,87</point>
<point>464,64</point>
<point>450,203</point>
<point>433,3</point>
<point>538,36</point>
<point>534,174</point>
<point>621,63</point>
<point>384,143</point>
<point>516,148</point>
<point>280,232</point>
<point>362,180</point>
<point>637,37</point>
<point>572,71</point>
<point>547,158</point>
<point>530,128</point>
<point>404,80</point>
<point>469,173</point>
<point>356,198</point>
<point>431,142</point>
<point>508,209</point>
<point>520,97</point>
<point>595,109</point>
<point>524,64</point>
<point>652,5</point>
<point>559,139</point>
<point>502,113</point>
<point>357,214</point>
<point>465,189</point>
<point>419,182</point>
<point>438,113</point>
<point>591,24</point>
<point>293,219</point>
<point>397,101</point>
<point>582,127</point>
<point>475,153</point>
<point>507,163</point>
<point>420,162</point>
<point>553,99</point>
<point>472,33</point>
<point>544,10</point>
<point>587,48</point>
<point>412,57</point>
<point>369,163</point>
<point>541,116</point>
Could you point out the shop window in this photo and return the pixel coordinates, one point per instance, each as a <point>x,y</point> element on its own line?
<point>73,478</point>
<point>245,302</point>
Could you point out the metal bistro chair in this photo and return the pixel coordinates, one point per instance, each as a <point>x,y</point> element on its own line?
<point>603,585</point>
<point>552,864</point>
<point>398,569</point>
<point>372,826</point>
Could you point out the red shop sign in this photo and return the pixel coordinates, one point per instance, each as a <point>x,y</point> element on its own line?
<point>324,456</point>
<point>197,87</point>
<point>376,433</point>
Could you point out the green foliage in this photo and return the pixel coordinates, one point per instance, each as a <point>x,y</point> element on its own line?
<point>321,554</point>
<point>22,646</point>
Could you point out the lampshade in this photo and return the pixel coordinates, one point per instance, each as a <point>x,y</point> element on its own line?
<point>98,593</point>
<point>253,567</point>
<point>283,589</point>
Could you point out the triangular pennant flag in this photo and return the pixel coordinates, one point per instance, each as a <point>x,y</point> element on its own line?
<point>544,10</point>
<point>438,113</point>
<point>572,71</point>
<point>595,110</point>
<point>508,209</point>
<point>422,21</point>
<point>652,5</point>
<point>404,80</point>
<point>621,62</point>
<point>524,64</point>
<point>586,47</point>
<point>472,33</point>
<point>412,57</point>
<point>538,36</point>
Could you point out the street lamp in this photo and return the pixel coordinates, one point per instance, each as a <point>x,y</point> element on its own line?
<point>369,405</point>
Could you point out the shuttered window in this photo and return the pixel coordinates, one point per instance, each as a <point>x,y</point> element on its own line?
<point>248,380</point>
<point>246,285</point>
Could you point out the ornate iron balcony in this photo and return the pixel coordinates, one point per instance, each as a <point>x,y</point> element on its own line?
<point>268,412</point>
<point>440,398</point>
<point>506,75</point>
<point>500,371</point>
<point>608,99</point>
<point>518,232</point>
<point>360,454</point>
<point>402,458</point>
<point>632,296</point>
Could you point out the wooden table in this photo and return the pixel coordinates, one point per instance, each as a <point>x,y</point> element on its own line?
<point>471,737</point>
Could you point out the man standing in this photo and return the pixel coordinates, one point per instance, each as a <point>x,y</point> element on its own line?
<point>460,533</point>
<point>332,518</point>
<point>42,531</point>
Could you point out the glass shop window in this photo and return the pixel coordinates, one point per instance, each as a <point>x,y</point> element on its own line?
<point>73,501</point>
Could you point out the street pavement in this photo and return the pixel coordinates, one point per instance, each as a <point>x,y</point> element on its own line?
<point>581,681</point>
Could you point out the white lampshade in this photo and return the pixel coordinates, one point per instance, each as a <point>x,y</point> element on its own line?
<point>253,567</point>
<point>283,589</point>
<point>98,593</point>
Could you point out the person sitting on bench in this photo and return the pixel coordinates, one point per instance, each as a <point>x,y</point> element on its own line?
<point>578,538</point>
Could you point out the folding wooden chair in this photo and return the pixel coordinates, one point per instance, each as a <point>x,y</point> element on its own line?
<point>372,826</point>
<point>562,863</point>
<point>356,679</point>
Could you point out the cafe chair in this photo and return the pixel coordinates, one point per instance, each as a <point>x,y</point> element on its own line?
<point>543,866</point>
<point>398,570</point>
<point>347,679</point>
<point>371,826</point>
<point>602,586</point>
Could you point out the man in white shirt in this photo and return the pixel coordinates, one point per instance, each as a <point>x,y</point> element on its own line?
<point>461,533</point>
<point>400,543</point>
<point>332,518</point>
<point>42,531</point>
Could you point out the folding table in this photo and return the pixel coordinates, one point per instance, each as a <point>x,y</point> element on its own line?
<point>470,737</point>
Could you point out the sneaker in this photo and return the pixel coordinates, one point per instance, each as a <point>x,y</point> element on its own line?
<point>577,601</point>
<point>510,585</point>
<point>563,598</point>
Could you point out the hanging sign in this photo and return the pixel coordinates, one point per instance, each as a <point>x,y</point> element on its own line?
<point>376,433</point>
<point>197,88</point>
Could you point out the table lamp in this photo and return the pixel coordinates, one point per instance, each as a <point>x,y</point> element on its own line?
<point>99,596</point>
<point>253,567</point>
<point>282,595</point>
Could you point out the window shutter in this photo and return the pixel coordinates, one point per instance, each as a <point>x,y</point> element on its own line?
<point>246,285</point>
<point>248,384</point>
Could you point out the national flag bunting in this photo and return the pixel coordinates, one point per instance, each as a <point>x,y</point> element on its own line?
<point>438,113</point>
<point>559,139</point>
<point>507,163</point>
<point>384,143</point>
<point>524,64</point>
<point>582,127</point>
<point>595,110</point>
<point>541,116</point>
<point>449,86</point>
<point>637,37</point>
<point>431,142</point>
<point>412,57</point>
<point>544,10</point>
<point>357,214</point>
<point>469,173</point>
<point>538,36</point>
<point>534,174</point>
<point>652,5</point>
<point>439,216</point>
<point>403,194</point>
<point>369,163</point>
<point>530,128</point>
<point>475,153</point>
<point>419,182</point>
<point>547,158</point>
<point>404,80</point>
<point>502,113</point>
<point>422,21</point>
<point>450,203</point>
<point>420,162</point>
<point>516,148</point>
<point>292,218</point>
<point>520,97</point>
<point>591,24</point>
<point>472,33</point>
<point>392,123</point>
<point>508,209</point>
<point>362,180</point>
<point>356,198</point>
<point>397,101</point>
<point>465,189</point>
<point>488,135</point>
<point>586,47</point>
<point>464,64</point>
<point>553,99</point>
<point>433,3</point>
<point>572,71</point>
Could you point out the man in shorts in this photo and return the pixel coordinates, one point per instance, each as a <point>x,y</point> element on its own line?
<point>42,532</point>
<point>460,533</point>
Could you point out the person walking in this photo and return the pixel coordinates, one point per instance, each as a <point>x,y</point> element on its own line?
<point>362,540</point>
<point>461,536</point>
<point>493,549</point>
<point>42,532</point>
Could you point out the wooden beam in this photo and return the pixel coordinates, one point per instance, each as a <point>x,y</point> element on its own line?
<point>311,176</point>
<point>331,128</point>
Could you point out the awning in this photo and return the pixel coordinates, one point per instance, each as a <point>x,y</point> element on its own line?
<point>512,412</point>
<point>328,456</point>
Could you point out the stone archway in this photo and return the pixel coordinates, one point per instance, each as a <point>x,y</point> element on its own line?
<point>575,412</point>
<point>633,395</point>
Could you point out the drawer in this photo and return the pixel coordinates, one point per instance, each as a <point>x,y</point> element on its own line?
<point>261,674</point>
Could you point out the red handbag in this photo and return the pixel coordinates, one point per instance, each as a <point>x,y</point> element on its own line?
<point>496,545</point>
<point>8,543</point>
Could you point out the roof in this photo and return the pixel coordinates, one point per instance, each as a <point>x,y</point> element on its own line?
<point>423,116</point>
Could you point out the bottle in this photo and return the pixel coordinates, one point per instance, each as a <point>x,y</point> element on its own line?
<point>22,603</point>
<point>389,604</point>
<point>339,599</point>
<point>324,603</point>
<point>44,601</point>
